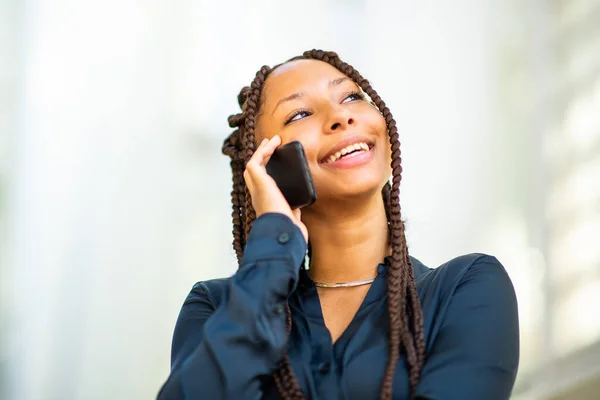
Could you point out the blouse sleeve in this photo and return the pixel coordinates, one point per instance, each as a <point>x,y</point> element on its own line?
<point>225,350</point>
<point>475,354</point>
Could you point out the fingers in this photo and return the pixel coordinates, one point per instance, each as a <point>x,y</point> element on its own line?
<point>262,143</point>
<point>260,158</point>
<point>266,149</point>
<point>272,144</point>
<point>263,152</point>
<point>266,196</point>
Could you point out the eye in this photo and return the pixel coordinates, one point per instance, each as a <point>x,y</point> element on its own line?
<point>297,115</point>
<point>353,96</point>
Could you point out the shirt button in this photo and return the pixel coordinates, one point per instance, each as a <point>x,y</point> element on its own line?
<point>283,238</point>
<point>279,309</point>
<point>324,367</point>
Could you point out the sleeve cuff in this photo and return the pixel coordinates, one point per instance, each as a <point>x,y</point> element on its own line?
<point>274,236</point>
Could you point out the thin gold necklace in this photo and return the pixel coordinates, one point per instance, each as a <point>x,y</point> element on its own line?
<point>344,284</point>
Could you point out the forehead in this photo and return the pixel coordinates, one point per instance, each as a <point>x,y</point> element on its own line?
<point>297,76</point>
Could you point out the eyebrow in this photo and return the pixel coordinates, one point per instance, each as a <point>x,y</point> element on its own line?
<point>297,95</point>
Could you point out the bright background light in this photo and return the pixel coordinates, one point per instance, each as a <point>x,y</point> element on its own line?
<point>114,197</point>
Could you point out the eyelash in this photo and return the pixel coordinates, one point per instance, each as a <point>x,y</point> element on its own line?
<point>357,94</point>
<point>295,114</point>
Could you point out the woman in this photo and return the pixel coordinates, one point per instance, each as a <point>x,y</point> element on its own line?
<point>363,320</point>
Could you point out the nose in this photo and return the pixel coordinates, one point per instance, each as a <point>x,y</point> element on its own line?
<point>340,118</point>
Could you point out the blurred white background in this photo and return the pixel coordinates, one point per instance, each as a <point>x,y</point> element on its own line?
<point>114,197</point>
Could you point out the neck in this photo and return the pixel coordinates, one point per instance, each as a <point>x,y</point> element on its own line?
<point>348,244</point>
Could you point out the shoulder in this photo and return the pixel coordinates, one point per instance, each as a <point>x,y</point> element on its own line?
<point>451,293</point>
<point>199,305</point>
<point>465,270</point>
<point>475,269</point>
<point>471,325</point>
<point>210,292</point>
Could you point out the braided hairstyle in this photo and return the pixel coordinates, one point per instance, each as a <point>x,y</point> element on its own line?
<point>404,309</point>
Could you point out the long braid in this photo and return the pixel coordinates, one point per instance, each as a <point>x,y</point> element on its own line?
<point>251,109</point>
<point>286,382</point>
<point>237,214</point>
<point>232,147</point>
<point>405,313</point>
<point>243,211</point>
<point>400,275</point>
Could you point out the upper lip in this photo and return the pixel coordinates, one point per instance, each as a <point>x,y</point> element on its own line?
<point>347,141</point>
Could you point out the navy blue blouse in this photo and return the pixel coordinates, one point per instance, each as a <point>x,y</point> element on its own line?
<point>231,333</point>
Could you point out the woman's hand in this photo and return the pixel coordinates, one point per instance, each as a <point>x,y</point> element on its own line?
<point>266,196</point>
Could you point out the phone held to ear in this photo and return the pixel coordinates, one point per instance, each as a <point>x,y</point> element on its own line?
<point>289,168</point>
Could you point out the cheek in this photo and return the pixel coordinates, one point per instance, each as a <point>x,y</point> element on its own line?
<point>309,136</point>
<point>261,131</point>
<point>372,117</point>
<point>381,127</point>
<point>380,123</point>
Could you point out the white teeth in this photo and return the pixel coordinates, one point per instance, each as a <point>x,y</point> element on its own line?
<point>348,149</point>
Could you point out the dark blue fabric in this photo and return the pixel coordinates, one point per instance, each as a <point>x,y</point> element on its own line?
<point>231,332</point>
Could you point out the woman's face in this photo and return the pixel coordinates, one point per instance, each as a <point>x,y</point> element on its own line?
<point>344,137</point>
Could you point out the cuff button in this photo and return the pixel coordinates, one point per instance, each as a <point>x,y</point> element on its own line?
<point>283,238</point>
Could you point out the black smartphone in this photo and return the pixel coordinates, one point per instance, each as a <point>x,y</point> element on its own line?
<point>289,168</point>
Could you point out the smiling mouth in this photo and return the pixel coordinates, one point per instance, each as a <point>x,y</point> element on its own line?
<point>352,150</point>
